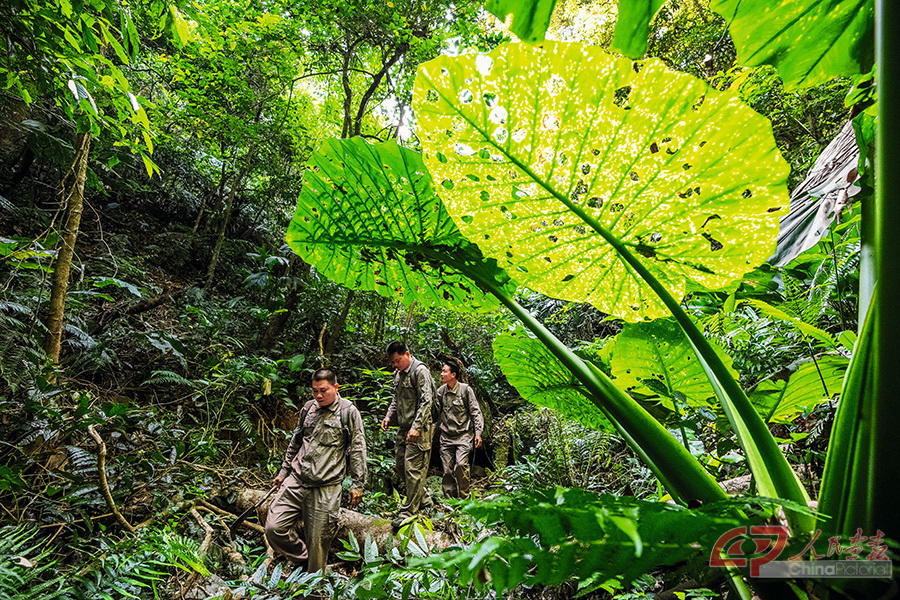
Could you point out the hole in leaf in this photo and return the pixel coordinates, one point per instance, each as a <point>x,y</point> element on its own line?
<point>616,207</point>
<point>558,222</point>
<point>552,238</point>
<point>655,238</point>
<point>634,176</point>
<point>465,96</point>
<point>568,277</point>
<point>595,202</point>
<point>447,183</point>
<point>686,166</point>
<point>586,168</point>
<point>431,96</point>
<point>654,148</point>
<point>746,193</point>
<point>620,97</point>
<point>714,244</point>
<point>467,218</point>
<point>774,209</point>
<point>490,99</point>
<point>484,196</point>
<point>579,229</point>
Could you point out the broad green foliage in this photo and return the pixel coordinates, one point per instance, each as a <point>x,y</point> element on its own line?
<point>656,358</point>
<point>572,533</point>
<point>73,55</point>
<point>808,41</point>
<point>542,380</point>
<point>814,382</point>
<point>633,26</point>
<point>536,149</point>
<point>530,18</point>
<point>369,219</point>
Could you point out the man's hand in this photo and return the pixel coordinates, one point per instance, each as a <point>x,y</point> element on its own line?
<point>384,423</point>
<point>354,497</point>
<point>478,441</point>
<point>412,436</point>
<point>276,483</point>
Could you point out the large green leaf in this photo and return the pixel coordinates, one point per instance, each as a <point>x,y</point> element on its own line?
<point>814,382</point>
<point>543,380</point>
<point>368,218</point>
<point>540,149</point>
<point>657,358</point>
<point>530,18</point>
<point>633,26</point>
<point>808,41</point>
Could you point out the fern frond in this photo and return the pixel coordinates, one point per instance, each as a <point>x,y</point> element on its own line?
<point>164,377</point>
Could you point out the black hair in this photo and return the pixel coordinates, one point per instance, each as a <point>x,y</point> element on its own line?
<point>397,347</point>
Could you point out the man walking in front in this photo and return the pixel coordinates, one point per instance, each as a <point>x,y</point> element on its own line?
<point>461,425</point>
<point>411,411</point>
<point>328,438</point>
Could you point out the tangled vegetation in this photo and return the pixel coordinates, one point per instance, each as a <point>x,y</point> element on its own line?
<point>203,202</point>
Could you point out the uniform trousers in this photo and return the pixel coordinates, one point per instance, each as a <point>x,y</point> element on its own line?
<point>411,464</point>
<point>318,507</point>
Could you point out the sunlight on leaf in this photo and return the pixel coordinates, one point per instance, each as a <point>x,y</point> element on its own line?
<point>538,148</point>
<point>657,358</point>
<point>530,18</point>
<point>808,41</point>
<point>367,218</point>
<point>815,382</point>
<point>542,380</point>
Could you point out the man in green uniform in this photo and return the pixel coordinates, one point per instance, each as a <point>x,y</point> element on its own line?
<point>461,425</point>
<point>411,411</point>
<point>329,436</point>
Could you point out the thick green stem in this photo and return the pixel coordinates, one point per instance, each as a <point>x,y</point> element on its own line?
<point>681,473</point>
<point>883,482</point>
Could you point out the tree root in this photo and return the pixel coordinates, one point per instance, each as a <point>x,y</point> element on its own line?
<point>101,469</point>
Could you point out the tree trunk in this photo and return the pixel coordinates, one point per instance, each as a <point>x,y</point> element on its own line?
<point>338,328</point>
<point>73,202</point>
<point>220,239</point>
<point>378,529</point>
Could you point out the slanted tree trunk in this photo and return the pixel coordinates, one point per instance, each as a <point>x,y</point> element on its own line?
<point>338,328</point>
<point>73,204</point>
<point>226,218</point>
<point>278,321</point>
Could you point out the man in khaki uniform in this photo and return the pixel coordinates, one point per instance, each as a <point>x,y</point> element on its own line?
<point>411,411</point>
<point>328,436</point>
<point>461,425</point>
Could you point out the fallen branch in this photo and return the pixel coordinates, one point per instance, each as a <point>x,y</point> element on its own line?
<point>207,539</point>
<point>219,511</point>
<point>101,468</point>
<point>167,513</point>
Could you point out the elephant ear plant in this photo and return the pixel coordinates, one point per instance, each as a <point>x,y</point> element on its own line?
<point>624,184</point>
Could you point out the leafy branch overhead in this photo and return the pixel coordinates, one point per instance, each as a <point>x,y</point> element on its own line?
<point>368,218</point>
<point>566,164</point>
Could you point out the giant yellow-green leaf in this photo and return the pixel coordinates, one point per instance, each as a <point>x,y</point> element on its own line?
<point>815,382</point>
<point>657,358</point>
<point>537,149</point>
<point>808,41</point>
<point>542,380</point>
<point>367,218</point>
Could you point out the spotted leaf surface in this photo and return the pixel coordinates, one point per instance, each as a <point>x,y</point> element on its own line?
<point>808,41</point>
<point>542,380</point>
<point>368,218</point>
<point>535,150</point>
<point>656,358</point>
